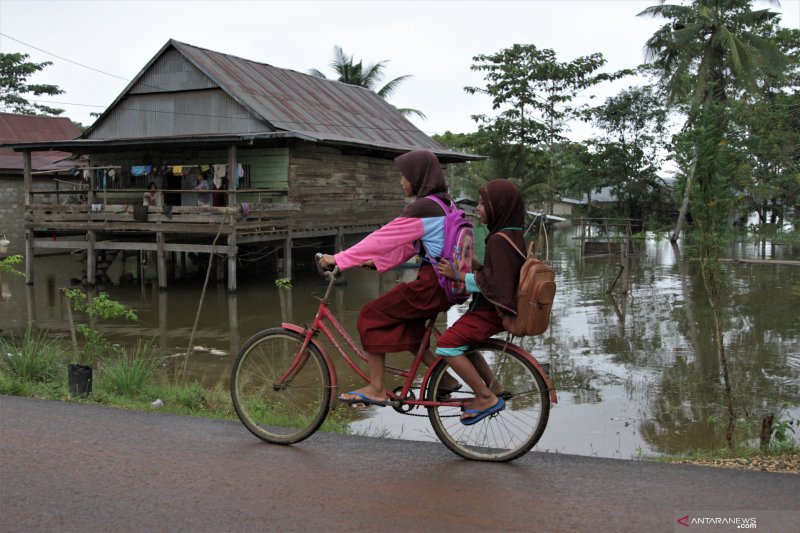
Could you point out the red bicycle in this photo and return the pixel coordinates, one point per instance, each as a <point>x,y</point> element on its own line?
<point>283,383</point>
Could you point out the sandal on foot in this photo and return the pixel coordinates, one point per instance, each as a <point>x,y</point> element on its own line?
<point>480,415</point>
<point>444,394</point>
<point>361,398</point>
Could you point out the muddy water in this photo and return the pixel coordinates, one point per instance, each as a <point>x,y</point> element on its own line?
<point>636,369</point>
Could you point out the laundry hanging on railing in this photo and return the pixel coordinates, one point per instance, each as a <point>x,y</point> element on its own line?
<point>141,170</point>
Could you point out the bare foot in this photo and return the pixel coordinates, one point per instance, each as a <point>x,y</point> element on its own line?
<point>449,383</point>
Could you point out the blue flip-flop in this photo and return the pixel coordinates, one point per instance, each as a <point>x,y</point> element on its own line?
<point>362,398</point>
<point>480,415</point>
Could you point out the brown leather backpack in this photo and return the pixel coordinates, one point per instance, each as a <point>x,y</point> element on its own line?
<point>535,293</point>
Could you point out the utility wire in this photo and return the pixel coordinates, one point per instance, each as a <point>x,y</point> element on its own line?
<point>63,58</point>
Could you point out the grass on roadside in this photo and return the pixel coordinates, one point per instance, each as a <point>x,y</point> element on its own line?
<point>191,399</point>
<point>33,356</point>
<point>129,372</point>
<point>742,452</point>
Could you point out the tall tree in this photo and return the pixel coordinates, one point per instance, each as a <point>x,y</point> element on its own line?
<point>369,76</point>
<point>704,51</point>
<point>772,121</point>
<point>632,144</point>
<point>535,96</point>
<point>15,69</point>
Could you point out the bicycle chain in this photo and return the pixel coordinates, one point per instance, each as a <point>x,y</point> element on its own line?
<point>399,408</point>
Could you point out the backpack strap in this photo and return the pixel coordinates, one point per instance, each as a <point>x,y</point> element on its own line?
<point>440,202</point>
<point>514,246</point>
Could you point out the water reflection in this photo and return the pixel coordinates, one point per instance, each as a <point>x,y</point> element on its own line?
<point>636,368</point>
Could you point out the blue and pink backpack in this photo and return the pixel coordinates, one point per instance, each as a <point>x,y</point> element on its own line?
<point>458,249</point>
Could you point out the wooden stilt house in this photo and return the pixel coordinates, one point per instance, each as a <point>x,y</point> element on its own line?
<point>287,155</point>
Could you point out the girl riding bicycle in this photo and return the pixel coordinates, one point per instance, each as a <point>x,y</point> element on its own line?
<point>396,321</point>
<point>494,291</point>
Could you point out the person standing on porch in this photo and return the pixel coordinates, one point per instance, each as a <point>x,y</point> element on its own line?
<point>203,194</point>
<point>151,195</point>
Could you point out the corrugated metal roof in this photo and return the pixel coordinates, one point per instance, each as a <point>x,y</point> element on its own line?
<point>319,109</point>
<point>293,101</point>
<point>32,129</point>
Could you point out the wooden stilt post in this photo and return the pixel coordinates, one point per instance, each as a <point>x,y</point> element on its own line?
<point>28,257</point>
<point>339,244</point>
<point>232,260</point>
<point>287,258</point>
<point>28,186</point>
<point>161,261</point>
<point>179,260</point>
<point>233,322</point>
<point>163,315</point>
<point>91,259</point>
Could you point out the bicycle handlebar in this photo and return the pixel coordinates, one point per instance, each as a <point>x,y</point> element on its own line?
<point>332,273</point>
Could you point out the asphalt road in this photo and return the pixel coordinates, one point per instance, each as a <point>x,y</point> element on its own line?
<point>70,467</point>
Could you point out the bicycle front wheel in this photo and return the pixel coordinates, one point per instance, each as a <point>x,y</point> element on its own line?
<point>510,433</point>
<point>275,406</point>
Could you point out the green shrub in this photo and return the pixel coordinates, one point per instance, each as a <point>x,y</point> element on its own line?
<point>34,357</point>
<point>99,307</point>
<point>130,371</point>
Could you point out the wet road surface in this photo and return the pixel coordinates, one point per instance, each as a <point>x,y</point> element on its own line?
<point>72,467</point>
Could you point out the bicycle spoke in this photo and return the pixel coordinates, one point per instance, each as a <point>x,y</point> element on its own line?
<point>507,434</point>
<point>280,413</point>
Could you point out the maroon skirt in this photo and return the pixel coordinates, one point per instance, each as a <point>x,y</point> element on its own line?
<point>395,321</point>
<point>472,328</point>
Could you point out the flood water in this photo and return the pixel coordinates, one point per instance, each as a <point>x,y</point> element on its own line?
<point>636,370</point>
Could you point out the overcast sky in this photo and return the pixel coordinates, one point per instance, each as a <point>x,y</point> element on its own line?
<point>433,41</point>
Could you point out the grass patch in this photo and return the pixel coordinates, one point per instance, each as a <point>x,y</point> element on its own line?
<point>33,357</point>
<point>129,373</point>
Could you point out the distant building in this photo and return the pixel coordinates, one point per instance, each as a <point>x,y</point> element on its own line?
<point>27,129</point>
<point>601,197</point>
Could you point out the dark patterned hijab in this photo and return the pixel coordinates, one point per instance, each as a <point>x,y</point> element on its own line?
<point>505,212</point>
<point>503,205</point>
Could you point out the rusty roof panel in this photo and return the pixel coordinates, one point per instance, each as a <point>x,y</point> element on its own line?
<point>293,101</point>
<point>33,128</point>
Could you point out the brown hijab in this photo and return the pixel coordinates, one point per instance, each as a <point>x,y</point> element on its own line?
<point>499,277</point>
<point>422,169</point>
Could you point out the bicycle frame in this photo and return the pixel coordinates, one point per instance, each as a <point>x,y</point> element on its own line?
<point>325,318</point>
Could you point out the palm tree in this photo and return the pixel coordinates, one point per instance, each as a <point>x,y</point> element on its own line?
<point>368,76</point>
<point>709,48</point>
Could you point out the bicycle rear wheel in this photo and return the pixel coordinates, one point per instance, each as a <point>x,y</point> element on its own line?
<point>508,434</point>
<point>280,413</point>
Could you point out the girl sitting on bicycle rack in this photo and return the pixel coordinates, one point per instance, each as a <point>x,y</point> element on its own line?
<point>396,320</point>
<point>494,291</point>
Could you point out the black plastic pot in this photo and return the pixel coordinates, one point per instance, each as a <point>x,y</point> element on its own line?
<point>80,380</point>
